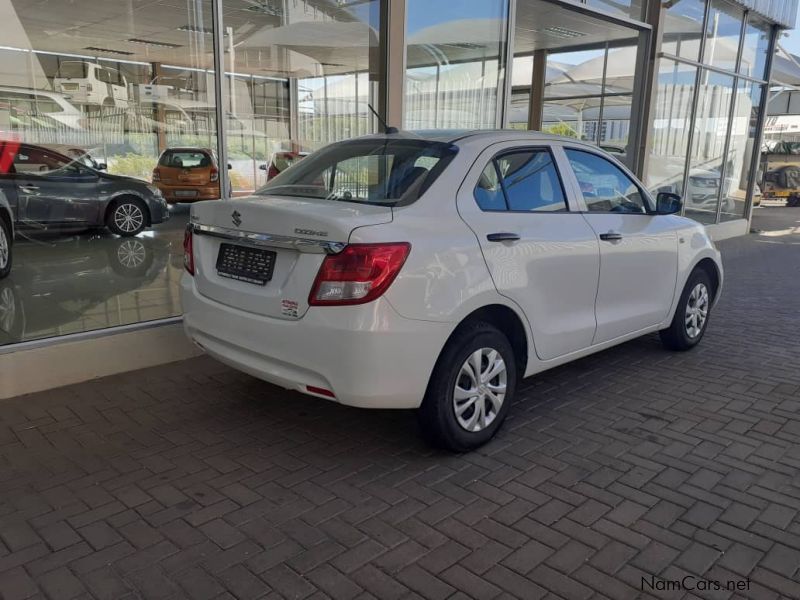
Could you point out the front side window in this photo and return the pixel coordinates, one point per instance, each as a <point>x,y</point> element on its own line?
<point>371,171</point>
<point>605,187</point>
<point>521,181</point>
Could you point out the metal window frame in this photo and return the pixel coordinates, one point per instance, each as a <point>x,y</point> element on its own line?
<point>758,139</point>
<point>723,171</point>
<point>220,97</point>
<point>687,165</point>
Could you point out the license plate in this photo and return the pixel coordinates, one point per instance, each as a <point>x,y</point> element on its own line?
<point>185,193</point>
<point>252,265</point>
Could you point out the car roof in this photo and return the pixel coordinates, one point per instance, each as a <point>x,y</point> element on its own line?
<point>490,135</point>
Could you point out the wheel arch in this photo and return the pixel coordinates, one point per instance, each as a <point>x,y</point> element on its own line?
<point>7,218</point>
<point>712,270</point>
<point>505,319</point>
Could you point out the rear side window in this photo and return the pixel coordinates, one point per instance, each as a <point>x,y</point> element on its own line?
<point>73,70</point>
<point>185,160</point>
<point>372,171</point>
<point>521,181</point>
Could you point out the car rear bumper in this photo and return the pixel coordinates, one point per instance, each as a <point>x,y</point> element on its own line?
<point>175,194</point>
<point>368,355</point>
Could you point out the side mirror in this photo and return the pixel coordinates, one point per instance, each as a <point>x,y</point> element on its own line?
<point>668,203</point>
<point>230,166</point>
<point>102,167</point>
<point>262,167</point>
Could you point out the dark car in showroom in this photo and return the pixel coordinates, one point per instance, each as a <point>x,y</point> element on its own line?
<point>47,190</point>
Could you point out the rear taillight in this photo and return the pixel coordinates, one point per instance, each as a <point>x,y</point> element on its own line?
<point>358,274</point>
<point>188,252</point>
<point>156,175</point>
<point>214,175</point>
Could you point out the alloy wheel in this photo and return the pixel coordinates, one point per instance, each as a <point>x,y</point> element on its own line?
<point>128,217</point>
<point>696,310</point>
<point>8,309</point>
<point>131,253</point>
<point>480,389</point>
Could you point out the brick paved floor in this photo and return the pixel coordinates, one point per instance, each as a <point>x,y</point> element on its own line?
<point>192,480</point>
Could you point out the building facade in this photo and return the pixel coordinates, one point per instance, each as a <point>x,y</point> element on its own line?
<point>129,89</point>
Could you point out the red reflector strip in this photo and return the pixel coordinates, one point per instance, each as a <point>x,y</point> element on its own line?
<point>320,391</point>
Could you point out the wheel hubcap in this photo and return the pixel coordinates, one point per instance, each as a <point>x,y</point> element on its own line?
<point>480,389</point>
<point>3,249</point>
<point>696,310</point>
<point>128,217</point>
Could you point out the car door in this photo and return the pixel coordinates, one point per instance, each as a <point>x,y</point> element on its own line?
<point>638,249</point>
<point>53,189</point>
<point>540,253</point>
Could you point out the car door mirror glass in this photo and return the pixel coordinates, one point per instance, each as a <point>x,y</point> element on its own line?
<point>668,203</point>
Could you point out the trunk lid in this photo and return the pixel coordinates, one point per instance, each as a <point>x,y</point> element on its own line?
<point>294,229</point>
<point>190,177</point>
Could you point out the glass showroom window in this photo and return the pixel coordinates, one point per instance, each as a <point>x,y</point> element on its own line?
<point>672,117</point>
<point>723,32</point>
<point>320,57</point>
<point>573,93</point>
<point>454,51</point>
<point>91,94</point>
<point>738,171</point>
<point>755,47</point>
<point>683,28</point>
<point>707,157</point>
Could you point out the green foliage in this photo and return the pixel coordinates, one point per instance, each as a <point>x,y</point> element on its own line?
<point>561,129</point>
<point>133,165</point>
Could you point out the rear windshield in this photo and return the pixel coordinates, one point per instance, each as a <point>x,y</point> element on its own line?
<point>185,159</point>
<point>72,69</point>
<point>370,171</point>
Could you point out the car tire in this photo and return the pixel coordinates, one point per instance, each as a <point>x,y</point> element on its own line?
<point>452,421</point>
<point>691,317</point>
<point>6,248</point>
<point>127,216</point>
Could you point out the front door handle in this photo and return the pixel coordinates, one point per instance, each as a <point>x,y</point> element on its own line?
<point>611,236</point>
<point>503,237</point>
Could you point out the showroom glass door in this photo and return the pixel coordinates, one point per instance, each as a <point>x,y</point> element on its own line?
<point>103,88</point>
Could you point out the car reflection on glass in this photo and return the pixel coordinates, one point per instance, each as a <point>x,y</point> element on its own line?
<point>50,191</point>
<point>57,280</point>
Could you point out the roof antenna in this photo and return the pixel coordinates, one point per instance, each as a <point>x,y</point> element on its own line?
<point>386,128</point>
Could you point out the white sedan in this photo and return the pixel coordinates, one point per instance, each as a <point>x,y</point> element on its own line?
<point>434,270</point>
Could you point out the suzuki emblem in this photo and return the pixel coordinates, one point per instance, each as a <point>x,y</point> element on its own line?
<point>236,217</point>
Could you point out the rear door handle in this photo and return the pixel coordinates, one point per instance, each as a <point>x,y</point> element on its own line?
<point>503,237</point>
<point>611,236</point>
<point>29,188</point>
